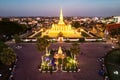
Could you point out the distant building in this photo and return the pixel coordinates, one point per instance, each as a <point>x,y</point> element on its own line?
<point>110,27</point>
<point>117,19</point>
<point>0,19</point>
<point>23,23</point>
<point>95,19</point>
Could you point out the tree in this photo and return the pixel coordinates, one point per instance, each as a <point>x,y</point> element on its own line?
<point>8,56</point>
<point>8,29</point>
<point>76,24</point>
<point>42,43</point>
<point>75,49</point>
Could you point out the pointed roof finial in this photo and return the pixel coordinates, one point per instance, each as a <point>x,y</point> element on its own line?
<point>61,17</point>
<point>61,14</point>
<point>47,53</point>
<point>60,50</point>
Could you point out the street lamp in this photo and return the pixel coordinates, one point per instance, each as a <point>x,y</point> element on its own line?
<point>116,72</point>
<point>0,75</point>
<point>10,69</point>
<point>113,47</point>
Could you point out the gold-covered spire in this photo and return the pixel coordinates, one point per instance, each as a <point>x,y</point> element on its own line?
<point>61,17</point>
<point>61,27</point>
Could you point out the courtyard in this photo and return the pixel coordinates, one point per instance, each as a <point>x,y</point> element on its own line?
<point>29,58</point>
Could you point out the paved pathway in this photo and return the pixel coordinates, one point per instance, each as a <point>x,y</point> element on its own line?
<point>29,58</point>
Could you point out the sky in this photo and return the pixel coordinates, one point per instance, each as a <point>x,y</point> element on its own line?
<point>52,7</point>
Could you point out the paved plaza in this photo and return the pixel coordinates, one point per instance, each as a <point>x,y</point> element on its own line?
<point>29,58</point>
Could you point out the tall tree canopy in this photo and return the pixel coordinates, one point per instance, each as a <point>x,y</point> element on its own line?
<point>8,29</point>
<point>76,24</point>
<point>8,56</point>
<point>42,43</point>
<point>75,49</point>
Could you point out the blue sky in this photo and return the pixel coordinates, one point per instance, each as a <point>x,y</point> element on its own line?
<point>52,7</point>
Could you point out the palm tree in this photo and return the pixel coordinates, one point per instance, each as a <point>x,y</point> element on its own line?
<point>8,56</point>
<point>42,43</point>
<point>75,49</point>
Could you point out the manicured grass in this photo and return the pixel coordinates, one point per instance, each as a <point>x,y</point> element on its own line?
<point>84,34</point>
<point>37,35</point>
<point>112,62</point>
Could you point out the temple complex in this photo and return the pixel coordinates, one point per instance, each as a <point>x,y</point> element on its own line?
<point>61,29</point>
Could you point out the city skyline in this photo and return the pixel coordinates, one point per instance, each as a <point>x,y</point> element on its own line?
<point>52,7</point>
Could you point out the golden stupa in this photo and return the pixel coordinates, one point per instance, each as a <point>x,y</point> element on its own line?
<point>59,54</point>
<point>61,28</point>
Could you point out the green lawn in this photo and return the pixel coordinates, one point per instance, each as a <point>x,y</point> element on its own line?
<point>84,34</point>
<point>37,35</point>
<point>112,61</point>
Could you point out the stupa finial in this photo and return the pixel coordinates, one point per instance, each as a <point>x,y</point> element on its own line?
<point>61,17</point>
<point>60,50</point>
